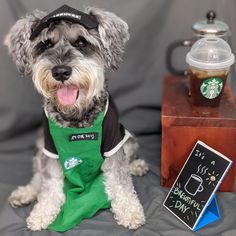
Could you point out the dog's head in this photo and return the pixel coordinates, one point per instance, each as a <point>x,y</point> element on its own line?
<point>67,60</point>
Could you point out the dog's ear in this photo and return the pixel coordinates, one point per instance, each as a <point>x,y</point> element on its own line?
<point>18,43</point>
<point>113,33</point>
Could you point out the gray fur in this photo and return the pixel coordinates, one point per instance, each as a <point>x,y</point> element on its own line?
<point>113,33</point>
<point>119,186</point>
<point>77,118</point>
<point>88,64</point>
<point>18,43</point>
<point>107,44</point>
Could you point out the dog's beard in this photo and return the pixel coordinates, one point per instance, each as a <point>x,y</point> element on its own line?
<point>77,93</point>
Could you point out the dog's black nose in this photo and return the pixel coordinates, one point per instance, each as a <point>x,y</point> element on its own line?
<point>61,73</point>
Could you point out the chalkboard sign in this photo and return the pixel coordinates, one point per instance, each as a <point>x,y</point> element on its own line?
<point>192,197</point>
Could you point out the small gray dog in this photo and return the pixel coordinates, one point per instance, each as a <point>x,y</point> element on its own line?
<point>67,53</point>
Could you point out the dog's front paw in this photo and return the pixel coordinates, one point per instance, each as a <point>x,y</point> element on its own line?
<point>138,167</point>
<point>130,216</point>
<point>41,217</point>
<point>23,195</point>
<point>35,223</point>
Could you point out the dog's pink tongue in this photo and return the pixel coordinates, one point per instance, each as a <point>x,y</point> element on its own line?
<point>67,95</point>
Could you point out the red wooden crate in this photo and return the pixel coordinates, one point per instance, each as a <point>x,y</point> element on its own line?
<point>183,124</point>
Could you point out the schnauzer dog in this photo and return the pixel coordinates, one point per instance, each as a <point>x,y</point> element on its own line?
<point>67,58</point>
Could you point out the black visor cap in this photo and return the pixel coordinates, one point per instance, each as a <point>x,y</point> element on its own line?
<point>64,13</point>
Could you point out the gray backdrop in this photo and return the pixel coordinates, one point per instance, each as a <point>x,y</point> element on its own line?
<point>136,87</point>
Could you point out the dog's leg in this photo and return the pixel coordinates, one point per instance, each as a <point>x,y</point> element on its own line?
<point>50,198</point>
<point>138,167</point>
<point>119,186</point>
<point>24,195</point>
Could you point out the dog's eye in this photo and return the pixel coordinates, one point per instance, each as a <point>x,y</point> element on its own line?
<point>47,44</point>
<point>43,46</point>
<point>81,42</point>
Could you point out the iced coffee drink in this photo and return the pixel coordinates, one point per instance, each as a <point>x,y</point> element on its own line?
<point>209,63</point>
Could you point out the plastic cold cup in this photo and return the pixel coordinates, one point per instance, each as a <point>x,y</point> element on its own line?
<point>206,87</point>
<point>209,63</point>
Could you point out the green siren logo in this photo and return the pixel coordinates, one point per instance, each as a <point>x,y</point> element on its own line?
<point>72,162</point>
<point>211,88</point>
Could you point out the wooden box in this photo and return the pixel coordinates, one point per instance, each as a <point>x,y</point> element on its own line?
<point>183,124</point>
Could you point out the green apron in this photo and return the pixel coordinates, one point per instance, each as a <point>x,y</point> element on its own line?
<point>79,151</point>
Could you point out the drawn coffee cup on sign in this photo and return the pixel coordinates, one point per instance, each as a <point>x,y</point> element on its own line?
<point>194,185</point>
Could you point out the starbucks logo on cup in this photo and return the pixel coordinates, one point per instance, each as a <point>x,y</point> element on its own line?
<point>211,88</point>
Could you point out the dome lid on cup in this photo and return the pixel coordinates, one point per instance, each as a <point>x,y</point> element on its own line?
<point>210,53</point>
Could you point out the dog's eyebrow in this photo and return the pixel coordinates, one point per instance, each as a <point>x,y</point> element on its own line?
<point>75,32</point>
<point>64,13</point>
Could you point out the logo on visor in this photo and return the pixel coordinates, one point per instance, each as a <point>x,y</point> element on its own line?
<point>67,14</point>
